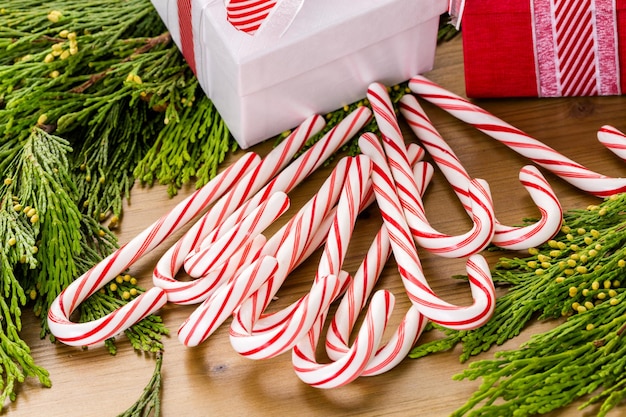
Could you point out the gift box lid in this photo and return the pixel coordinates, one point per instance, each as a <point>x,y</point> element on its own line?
<point>297,32</point>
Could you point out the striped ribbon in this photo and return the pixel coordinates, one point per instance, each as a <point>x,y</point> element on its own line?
<point>245,15</point>
<point>576,47</point>
<point>575,44</point>
<point>186,33</point>
<point>248,15</point>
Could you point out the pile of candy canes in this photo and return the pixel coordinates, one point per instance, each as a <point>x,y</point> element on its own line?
<point>237,270</point>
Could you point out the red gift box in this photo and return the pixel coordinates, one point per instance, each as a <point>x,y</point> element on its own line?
<point>543,48</point>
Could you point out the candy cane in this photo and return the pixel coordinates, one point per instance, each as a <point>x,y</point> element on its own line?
<point>223,248</point>
<point>290,245</point>
<point>295,242</point>
<point>514,238</point>
<point>352,196</point>
<point>300,169</point>
<point>405,253</point>
<point>230,252</point>
<point>170,263</point>
<point>349,366</point>
<point>294,322</point>
<point>614,140</point>
<point>483,229</point>
<point>409,330</point>
<point>220,305</point>
<point>214,310</point>
<point>81,334</point>
<point>522,143</point>
<point>364,357</point>
<point>250,332</point>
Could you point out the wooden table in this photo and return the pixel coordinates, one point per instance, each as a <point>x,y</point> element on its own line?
<point>212,380</point>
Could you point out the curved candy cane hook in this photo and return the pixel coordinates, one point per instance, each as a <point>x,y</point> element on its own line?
<point>409,266</point>
<point>88,333</point>
<point>213,257</point>
<point>515,238</point>
<point>483,229</point>
<point>280,326</point>
<point>351,364</point>
<point>614,140</point>
<point>541,154</point>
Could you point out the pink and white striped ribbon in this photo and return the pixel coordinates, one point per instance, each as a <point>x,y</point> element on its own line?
<point>455,10</point>
<point>514,238</point>
<point>169,265</point>
<point>248,15</point>
<point>483,229</point>
<point>409,266</point>
<point>88,333</point>
<point>522,143</point>
<point>576,47</point>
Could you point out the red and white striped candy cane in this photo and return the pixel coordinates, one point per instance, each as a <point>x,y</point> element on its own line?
<point>220,305</point>
<point>170,263</point>
<point>405,253</point>
<point>250,331</point>
<point>230,252</point>
<point>300,169</point>
<point>200,289</point>
<point>514,238</point>
<point>212,257</point>
<point>473,241</point>
<point>522,143</point>
<point>415,153</point>
<point>295,321</point>
<point>353,193</point>
<point>614,140</point>
<point>350,365</point>
<point>412,325</point>
<point>334,253</point>
<point>214,310</point>
<point>88,333</point>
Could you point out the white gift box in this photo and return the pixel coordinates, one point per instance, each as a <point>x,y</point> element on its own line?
<point>308,57</point>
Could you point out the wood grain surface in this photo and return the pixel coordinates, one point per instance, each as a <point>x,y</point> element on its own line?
<point>212,380</point>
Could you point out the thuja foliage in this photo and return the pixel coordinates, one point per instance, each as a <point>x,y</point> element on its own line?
<point>579,275</point>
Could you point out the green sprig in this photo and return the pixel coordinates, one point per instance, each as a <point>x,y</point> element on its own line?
<point>150,399</point>
<point>579,275</point>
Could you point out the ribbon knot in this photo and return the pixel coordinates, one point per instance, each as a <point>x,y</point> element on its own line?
<point>248,15</point>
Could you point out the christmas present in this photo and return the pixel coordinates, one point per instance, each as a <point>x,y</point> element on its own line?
<point>269,64</point>
<point>543,48</point>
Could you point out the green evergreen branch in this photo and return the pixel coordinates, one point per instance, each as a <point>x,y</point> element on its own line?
<point>578,275</point>
<point>150,399</point>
